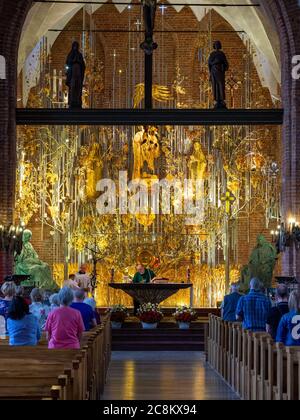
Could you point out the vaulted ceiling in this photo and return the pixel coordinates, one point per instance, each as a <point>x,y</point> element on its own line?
<point>255,21</point>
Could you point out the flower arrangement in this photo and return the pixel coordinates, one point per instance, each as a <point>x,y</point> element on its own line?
<point>185,314</point>
<point>149,313</point>
<point>118,313</point>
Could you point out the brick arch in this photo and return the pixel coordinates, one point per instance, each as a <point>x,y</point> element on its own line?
<point>287,18</point>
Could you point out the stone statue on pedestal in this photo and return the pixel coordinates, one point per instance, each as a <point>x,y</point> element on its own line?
<point>75,76</point>
<point>261,263</point>
<point>218,65</point>
<point>28,263</point>
<point>149,10</point>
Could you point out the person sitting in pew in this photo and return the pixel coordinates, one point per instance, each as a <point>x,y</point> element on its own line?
<point>64,325</point>
<point>230,302</point>
<point>54,302</point>
<point>23,327</point>
<point>8,291</point>
<point>288,332</point>
<point>39,309</point>
<point>93,305</point>
<point>20,291</point>
<point>277,312</point>
<point>86,311</point>
<point>253,309</point>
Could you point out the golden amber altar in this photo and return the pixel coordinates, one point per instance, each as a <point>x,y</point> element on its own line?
<point>150,292</point>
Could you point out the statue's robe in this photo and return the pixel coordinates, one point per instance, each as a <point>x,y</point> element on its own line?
<point>262,263</point>
<point>75,77</point>
<point>218,65</point>
<point>28,263</point>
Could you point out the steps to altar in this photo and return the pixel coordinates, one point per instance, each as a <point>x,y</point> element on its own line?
<point>167,337</point>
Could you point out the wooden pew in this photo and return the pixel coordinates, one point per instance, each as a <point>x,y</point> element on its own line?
<point>293,373</point>
<point>258,365</point>
<point>39,373</point>
<point>263,380</point>
<point>255,367</point>
<point>68,362</point>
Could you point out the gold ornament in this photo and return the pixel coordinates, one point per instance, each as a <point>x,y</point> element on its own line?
<point>159,93</point>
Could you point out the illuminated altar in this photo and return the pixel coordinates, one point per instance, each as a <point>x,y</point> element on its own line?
<point>60,167</point>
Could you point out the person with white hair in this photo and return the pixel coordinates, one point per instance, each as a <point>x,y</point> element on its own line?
<point>54,302</point>
<point>230,302</point>
<point>93,305</point>
<point>86,311</point>
<point>253,309</point>
<point>64,325</point>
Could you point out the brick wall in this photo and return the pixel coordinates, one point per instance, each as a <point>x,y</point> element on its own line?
<point>174,49</point>
<point>286,16</point>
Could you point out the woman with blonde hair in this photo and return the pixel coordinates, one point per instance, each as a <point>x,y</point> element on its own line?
<point>289,328</point>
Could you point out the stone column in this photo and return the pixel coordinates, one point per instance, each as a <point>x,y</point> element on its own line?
<point>12,16</point>
<point>287,18</point>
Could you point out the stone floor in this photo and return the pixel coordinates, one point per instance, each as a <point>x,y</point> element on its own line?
<point>164,376</point>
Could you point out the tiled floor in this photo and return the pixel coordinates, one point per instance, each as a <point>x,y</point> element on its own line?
<point>164,376</point>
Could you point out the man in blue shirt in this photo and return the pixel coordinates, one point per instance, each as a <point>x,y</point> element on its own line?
<point>253,309</point>
<point>230,303</point>
<point>86,311</point>
<point>288,331</point>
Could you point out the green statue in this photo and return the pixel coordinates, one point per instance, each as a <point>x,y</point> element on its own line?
<point>28,263</point>
<point>261,264</point>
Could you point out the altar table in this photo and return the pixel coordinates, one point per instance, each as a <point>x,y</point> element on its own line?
<point>150,292</point>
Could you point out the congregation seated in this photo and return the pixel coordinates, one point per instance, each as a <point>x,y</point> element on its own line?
<point>229,305</point>
<point>8,291</point>
<point>93,304</point>
<point>288,331</point>
<point>64,325</point>
<point>86,311</point>
<point>253,309</point>
<point>39,309</point>
<point>23,327</point>
<point>281,308</point>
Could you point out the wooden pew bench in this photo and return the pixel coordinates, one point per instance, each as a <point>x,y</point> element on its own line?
<point>64,367</point>
<point>39,373</point>
<point>252,364</point>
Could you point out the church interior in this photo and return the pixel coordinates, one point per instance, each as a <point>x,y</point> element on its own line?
<point>160,139</point>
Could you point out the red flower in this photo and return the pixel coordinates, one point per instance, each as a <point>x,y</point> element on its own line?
<point>150,317</point>
<point>118,316</point>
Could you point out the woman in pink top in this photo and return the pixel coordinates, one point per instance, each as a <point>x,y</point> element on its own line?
<point>64,325</point>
